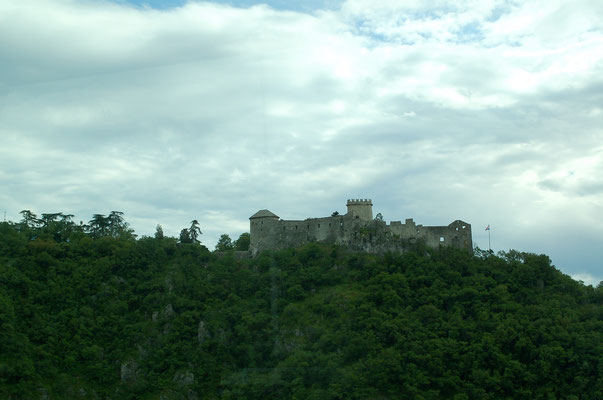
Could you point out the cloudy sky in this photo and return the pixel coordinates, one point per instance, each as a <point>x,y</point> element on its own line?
<point>484,110</point>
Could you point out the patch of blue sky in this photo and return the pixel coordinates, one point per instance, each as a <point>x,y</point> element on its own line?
<point>364,27</point>
<point>157,4</point>
<point>306,6</point>
<point>470,33</point>
<point>499,11</point>
<point>431,13</point>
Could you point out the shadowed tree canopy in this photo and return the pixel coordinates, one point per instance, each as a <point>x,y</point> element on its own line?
<point>185,236</point>
<point>242,243</point>
<point>108,318</point>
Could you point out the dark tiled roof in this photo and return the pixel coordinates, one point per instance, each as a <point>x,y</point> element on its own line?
<point>264,214</point>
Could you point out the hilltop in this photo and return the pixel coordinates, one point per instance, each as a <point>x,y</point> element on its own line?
<point>109,316</point>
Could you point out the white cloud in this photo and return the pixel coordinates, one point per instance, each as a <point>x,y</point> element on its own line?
<point>588,279</point>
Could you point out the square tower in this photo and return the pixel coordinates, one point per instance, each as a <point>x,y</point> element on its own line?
<point>361,208</point>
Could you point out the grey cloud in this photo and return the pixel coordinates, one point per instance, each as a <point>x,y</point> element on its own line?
<point>169,121</point>
<point>550,184</point>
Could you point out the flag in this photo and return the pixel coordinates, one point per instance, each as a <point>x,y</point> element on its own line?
<point>488,227</point>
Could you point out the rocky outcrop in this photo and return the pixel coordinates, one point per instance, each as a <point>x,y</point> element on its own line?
<point>129,371</point>
<point>202,332</point>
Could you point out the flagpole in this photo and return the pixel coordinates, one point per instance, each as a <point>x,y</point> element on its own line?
<point>489,246</point>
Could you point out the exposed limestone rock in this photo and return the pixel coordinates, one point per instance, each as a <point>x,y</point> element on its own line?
<point>142,350</point>
<point>129,371</point>
<point>202,332</point>
<point>167,312</point>
<point>44,395</point>
<point>169,283</point>
<point>223,336</point>
<point>164,314</point>
<point>176,395</point>
<point>184,378</point>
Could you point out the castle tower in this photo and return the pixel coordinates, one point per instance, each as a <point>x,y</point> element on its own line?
<point>261,228</point>
<point>361,208</point>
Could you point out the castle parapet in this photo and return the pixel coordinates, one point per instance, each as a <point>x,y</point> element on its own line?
<point>361,208</point>
<point>368,202</point>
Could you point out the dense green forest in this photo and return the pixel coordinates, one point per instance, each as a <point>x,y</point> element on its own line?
<point>93,312</point>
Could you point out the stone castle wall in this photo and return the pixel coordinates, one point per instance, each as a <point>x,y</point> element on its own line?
<point>356,230</point>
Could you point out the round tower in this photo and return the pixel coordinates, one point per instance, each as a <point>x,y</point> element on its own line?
<point>261,230</point>
<point>361,208</point>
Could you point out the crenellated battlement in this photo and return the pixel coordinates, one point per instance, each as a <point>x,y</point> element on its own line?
<point>361,208</point>
<point>367,202</point>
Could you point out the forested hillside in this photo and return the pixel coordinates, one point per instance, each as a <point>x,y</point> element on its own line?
<point>100,314</point>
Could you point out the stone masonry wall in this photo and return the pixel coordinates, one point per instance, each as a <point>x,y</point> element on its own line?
<point>353,230</point>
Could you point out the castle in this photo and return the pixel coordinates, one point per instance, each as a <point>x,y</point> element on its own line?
<point>356,230</point>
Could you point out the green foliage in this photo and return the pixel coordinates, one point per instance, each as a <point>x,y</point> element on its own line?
<point>224,243</point>
<point>102,315</point>
<point>242,243</point>
<point>159,232</point>
<point>185,236</point>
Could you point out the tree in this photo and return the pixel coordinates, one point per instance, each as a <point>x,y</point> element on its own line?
<point>335,213</point>
<point>66,218</point>
<point>159,232</point>
<point>224,243</point>
<point>66,228</point>
<point>61,229</point>
<point>185,236</point>
<point>115,220</point>
<point>48,219</point>
<point>379,217</point>
<point>98,226</point>
<point>242,243</point>
<point>194,231</point>
<point>30,219</point>
<point>117,226</point>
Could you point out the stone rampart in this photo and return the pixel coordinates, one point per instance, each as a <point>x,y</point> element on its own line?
<point>356,230</point>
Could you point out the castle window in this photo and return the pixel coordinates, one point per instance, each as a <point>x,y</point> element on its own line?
<point>319,225</point>
<point>457,228</point>
<point>441,238</point>
<point>308,226</point>
<point>464,226</point>
<point>295,226</point>
<point>283,228</point>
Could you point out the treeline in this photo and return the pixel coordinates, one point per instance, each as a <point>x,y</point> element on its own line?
<point>110,316</point>
<point>61,228</point>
